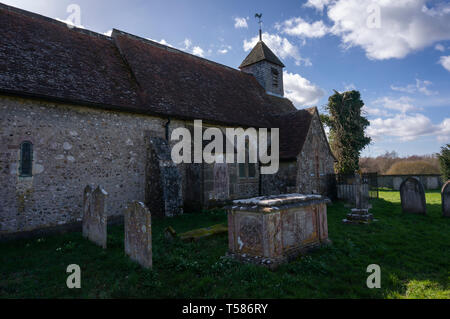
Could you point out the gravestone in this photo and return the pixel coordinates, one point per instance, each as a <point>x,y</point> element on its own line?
<point>95,217</point>
<point>412,195</point>
<point>360,214</point>
<point>163,181</point>
<point>221,181</point>
<point>445,194</point>
<point>138,234</point>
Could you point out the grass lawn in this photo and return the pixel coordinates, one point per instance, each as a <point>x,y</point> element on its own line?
<point>412,251</point>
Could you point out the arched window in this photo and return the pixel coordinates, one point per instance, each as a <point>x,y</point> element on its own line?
<point>26,159</point>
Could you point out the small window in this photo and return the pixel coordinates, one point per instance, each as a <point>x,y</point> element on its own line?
<point>242,172</point>
<point>26,159</point>
<point>247,169</point>
<point>274,77</point>
<point>251,170</point>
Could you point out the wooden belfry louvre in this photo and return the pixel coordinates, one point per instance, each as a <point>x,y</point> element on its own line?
<point>26,159</point>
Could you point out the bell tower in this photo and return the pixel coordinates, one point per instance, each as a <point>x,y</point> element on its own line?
<point>265,66</point>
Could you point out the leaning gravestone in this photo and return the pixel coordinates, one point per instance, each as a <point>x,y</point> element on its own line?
<point>138,234</point>
<point>412,195</point>
<point>445,194</point>
<point>164,195</point>
<point>95,216</point>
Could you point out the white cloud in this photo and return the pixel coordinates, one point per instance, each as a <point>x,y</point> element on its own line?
<point>408,128</point>
<point>163,42</point>
<point>198,51</point>
<point>402,104</point>
<point>108,33</point>
<point>301,28</point>
<point>240,23</point>
<point>187,43</point>
<point>439,47</point>
<point>317,4</point>
<point>420,87</point>
<point>349,86</point>
<point>405,25</point>
<point>224,49</point>
<point>300,90</point>
<point>375,111</point>
<point>194,49</point>
<point>280,46</point>
<point>445,62</point>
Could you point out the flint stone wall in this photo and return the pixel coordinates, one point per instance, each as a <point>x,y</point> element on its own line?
<point>314,162</point>
<point>76,145</point>
<point>429,182</point>
<point>72,146</point>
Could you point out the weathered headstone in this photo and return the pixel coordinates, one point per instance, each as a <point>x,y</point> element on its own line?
<point>412,195</point>
<point>95,216</point>
<point>164,195</point>
<point>138,234</point>
<point>221,181</point>
<point>445,194</point>
<point>360,214</point>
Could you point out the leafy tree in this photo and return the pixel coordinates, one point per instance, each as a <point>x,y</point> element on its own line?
<point>444,161</point>
<point>347,126</point>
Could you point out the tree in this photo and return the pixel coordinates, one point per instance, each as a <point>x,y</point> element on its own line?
<point>347,126</point>
<point>444,161</point>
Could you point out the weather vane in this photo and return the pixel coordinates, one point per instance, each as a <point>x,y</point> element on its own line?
<point>259,16</point>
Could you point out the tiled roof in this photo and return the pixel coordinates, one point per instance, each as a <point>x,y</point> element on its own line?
<point>174,83</point>
<point>261,52</point>
<point>43,58</point>
<point>294,128</point>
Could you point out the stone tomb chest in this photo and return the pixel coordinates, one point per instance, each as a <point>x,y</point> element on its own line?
<point>274,229</point>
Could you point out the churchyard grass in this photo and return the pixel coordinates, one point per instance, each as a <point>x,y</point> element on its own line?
<point>413,252</point>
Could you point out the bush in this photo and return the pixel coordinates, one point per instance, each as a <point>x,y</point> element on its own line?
<point>412,168</point>
<point>383,163</point>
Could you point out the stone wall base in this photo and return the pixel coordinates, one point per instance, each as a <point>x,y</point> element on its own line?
<point>273,263</point>
<point>54,230</point>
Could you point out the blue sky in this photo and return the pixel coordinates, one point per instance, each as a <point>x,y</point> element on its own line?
<point>395,52</point>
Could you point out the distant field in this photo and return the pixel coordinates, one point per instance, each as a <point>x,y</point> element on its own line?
<point>413,252</point>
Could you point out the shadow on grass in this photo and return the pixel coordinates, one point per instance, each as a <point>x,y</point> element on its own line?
<point>413,252</point>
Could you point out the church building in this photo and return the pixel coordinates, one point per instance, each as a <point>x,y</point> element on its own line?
<point>80,108</point>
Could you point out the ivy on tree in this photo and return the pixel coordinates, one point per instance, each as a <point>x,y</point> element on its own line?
<point>444,160</point>
<point>347,126</point>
